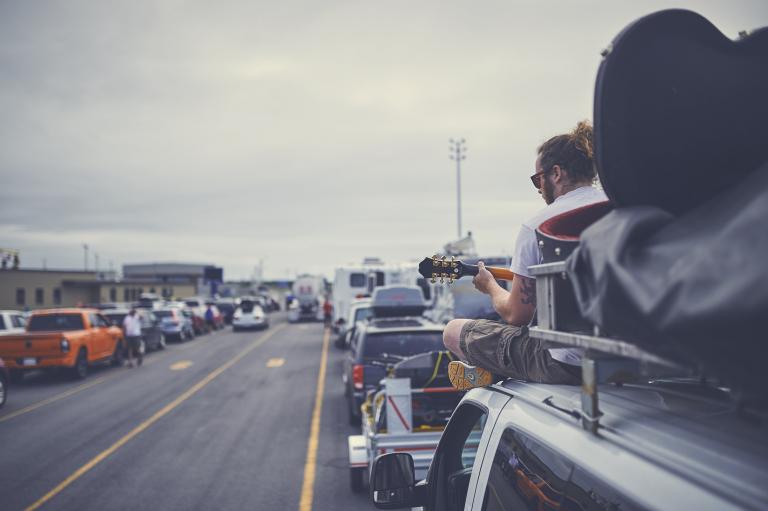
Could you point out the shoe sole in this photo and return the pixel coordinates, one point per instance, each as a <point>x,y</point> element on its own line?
<point>465,377</point>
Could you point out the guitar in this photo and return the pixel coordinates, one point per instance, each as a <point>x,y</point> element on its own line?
<point>449,270</point>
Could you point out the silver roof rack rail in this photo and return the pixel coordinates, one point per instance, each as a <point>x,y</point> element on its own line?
<point>605,360</point>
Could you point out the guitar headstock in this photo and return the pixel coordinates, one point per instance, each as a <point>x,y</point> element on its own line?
<point>442,268</point>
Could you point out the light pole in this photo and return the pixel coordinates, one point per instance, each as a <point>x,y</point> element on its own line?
<point>458,153</point>
<point>85,256</point>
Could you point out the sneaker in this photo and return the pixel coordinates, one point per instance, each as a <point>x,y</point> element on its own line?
<point>464,376</point>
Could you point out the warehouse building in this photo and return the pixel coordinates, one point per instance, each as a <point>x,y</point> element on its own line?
<point>29,289</point>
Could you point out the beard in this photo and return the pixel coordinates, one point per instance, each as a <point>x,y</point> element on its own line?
<point>547,190</point>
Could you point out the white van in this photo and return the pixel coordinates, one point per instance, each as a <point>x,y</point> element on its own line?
<point>356,281</point>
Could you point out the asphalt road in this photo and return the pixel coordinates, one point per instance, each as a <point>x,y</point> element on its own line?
<point>221,422</point>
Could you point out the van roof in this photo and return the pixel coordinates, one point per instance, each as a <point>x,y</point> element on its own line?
<point>688,427</point>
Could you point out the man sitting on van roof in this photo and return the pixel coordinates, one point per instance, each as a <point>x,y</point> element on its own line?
<point>564,177</point>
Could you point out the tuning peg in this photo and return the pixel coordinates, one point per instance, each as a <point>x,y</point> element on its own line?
<point>443,258</point>
<point>432,280</point>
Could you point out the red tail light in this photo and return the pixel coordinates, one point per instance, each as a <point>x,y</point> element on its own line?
<point>357,376</point>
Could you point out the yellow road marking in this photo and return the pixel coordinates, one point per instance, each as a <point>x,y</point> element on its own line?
<point>55,398</point>
<point>308,486</point>
<point>275,362</point>
<point>181,364</point>
<point>147,423</point>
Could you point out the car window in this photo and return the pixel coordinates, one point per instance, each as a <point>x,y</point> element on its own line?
<point>56,322</point>
<point>456,456</point>
<point>526,474</point>
<point>116,319</point>
<point>357,280</point>
<point>19,321</point>
<point>2,323</point>
<point>402,344</point>
<point>362,313</point>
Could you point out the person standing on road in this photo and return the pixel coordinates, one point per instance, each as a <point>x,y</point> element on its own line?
<point>210,318</point>
<point>327,311</point>
<point>564,177</point>
<point>132,329</point>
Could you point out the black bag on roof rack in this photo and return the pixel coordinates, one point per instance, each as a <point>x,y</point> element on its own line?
<point>681,141</point>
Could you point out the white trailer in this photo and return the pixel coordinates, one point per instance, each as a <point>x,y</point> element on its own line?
<point>395,401</point>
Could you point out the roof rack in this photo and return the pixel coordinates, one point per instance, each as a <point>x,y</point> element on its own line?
<point>605,360</point>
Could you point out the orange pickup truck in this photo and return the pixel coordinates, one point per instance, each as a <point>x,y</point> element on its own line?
<point>62,338</point>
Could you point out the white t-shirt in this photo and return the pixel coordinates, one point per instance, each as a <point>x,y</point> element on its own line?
<point>527,251</point>
<point>132,326</point>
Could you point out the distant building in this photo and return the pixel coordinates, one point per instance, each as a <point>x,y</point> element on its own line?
<point>42,288</point>
<point>203,279</point>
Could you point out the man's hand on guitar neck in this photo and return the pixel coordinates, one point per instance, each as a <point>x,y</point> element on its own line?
<point>484,281</point>
<point>516,307</point>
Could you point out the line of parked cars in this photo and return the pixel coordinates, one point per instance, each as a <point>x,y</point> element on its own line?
<point>73,339</point>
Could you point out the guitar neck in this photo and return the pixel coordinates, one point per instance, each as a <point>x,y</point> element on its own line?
<point>499,273</point>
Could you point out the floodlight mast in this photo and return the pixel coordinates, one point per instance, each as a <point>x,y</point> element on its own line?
<point>458,153</point>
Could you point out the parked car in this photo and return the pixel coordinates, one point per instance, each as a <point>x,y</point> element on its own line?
<point>249,314</point>
<point>151,333</point>
<point>269,304</point>
<point>176,323</point>
<point>62,338</point>
<point>359,310</point>
<point>377,343</point>
<point>196,306</point>
<point>227,308</point>
<point>12,322</point>
<point>4,380</point>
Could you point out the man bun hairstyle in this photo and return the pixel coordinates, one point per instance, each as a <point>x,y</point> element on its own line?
<point>573,152</point>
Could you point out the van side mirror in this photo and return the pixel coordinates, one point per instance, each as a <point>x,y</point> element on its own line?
<point>393,482</point>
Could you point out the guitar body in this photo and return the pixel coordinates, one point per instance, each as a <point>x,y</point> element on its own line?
<point>680,111</point>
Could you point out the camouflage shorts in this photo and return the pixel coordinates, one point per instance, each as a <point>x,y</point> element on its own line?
<point>506,350</point>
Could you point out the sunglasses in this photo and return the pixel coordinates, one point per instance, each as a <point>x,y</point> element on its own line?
<point>536,178</point>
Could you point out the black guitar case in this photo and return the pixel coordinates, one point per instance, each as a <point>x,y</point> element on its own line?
<point>680,267</point>
<point>681,111</point>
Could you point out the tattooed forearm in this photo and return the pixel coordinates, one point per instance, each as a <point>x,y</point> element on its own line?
<point>527,290</point>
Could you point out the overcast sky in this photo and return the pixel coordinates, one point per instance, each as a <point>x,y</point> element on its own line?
<point>304,134</point>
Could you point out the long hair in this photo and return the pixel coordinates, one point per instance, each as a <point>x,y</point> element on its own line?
<point>573,152</point>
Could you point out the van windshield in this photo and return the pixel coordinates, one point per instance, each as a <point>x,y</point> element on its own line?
<point>402,344</point>
<point>362,314</point>
<point>55,322</point>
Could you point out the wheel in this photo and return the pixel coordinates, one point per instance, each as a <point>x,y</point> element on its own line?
<point>119,354</point>
<point>80,369</point>
<point>3,391</point>
<point>161,342</point>
<point>357,479</point>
